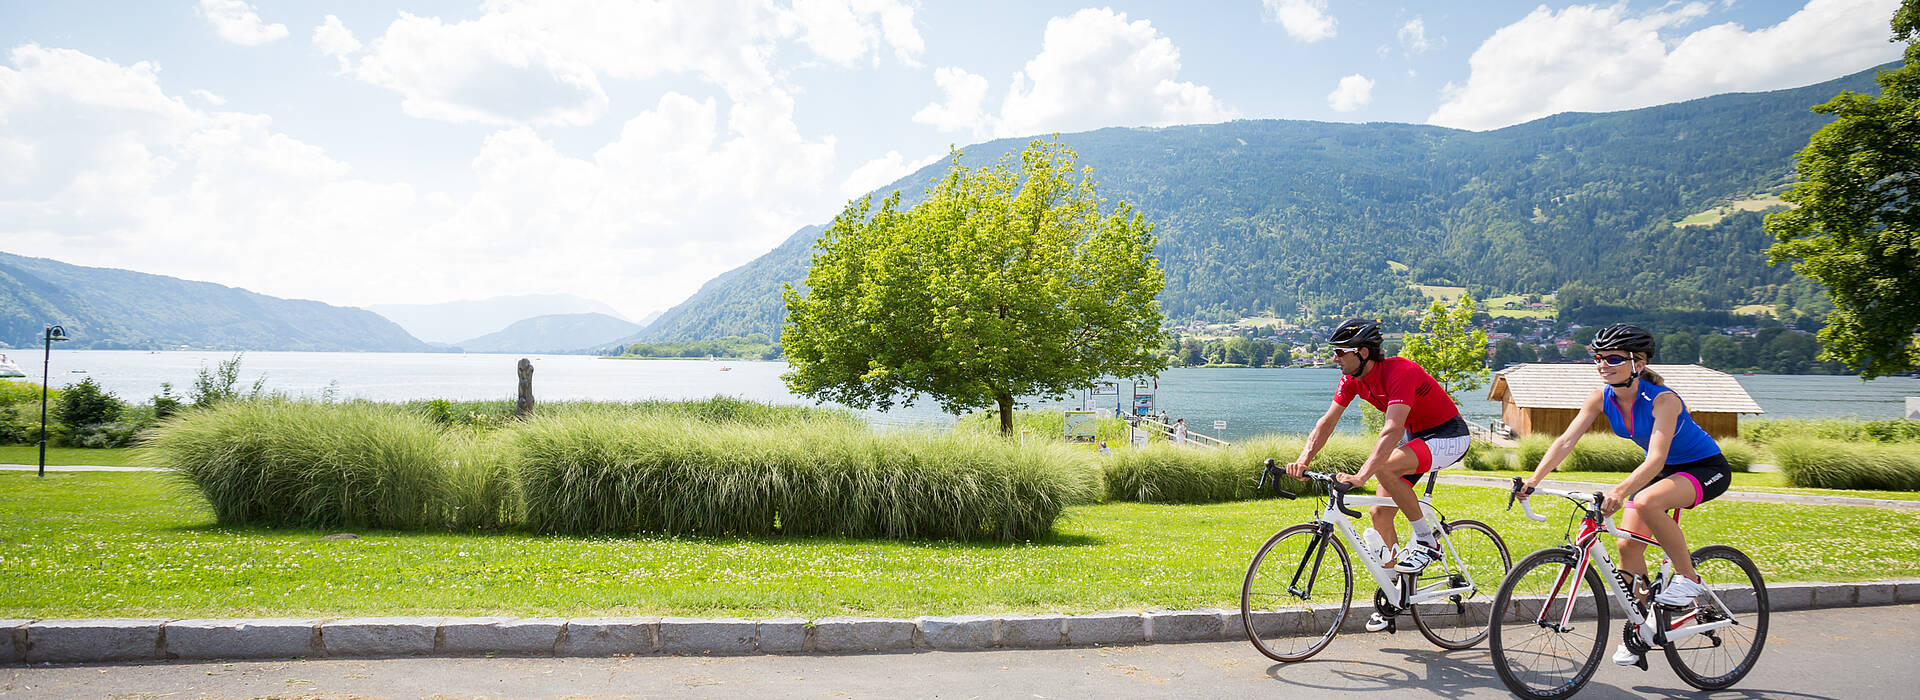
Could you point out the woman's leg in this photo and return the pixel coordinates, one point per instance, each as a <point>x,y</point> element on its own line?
<point>1648,515</point>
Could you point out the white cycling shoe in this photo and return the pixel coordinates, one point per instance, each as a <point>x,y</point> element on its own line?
<point>1625,657</point>
<point>1679,591</point>
<point>1376,623</point>
<point>1415,558</point>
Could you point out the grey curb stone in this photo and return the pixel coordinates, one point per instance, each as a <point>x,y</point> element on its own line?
<point>609,636</point>
<point>784,635</point>
<point>109,639</point>
<point>959,632</point>
<point>1870,593</point>
<point>1790,596</point>
<point>1907,591</point>
<point>1833,596</point>
<point>505,635</point>
<point>13,641</point>
<point>688,635</point>
<point>1033,631</point>
<point>1188,625</point>
<point>268,638</point>
<point>1107,628</point>
<point>862,634</point>
<point>380,636</point>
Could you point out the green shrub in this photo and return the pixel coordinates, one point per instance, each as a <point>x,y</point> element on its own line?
<point>603,471</point>
<point>1532,449</point>
<point>1047,425</point>
<point>1168,474</point>
<point>283,463</point>
<point>1740,454</point>
<point>25,394</point>
<point>1830,464</point>
<point>1482,457</point>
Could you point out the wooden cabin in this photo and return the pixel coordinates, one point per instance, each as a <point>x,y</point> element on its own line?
<point>1538,398</point>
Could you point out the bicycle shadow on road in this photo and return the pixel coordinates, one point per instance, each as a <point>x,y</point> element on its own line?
<point>1451,674</point>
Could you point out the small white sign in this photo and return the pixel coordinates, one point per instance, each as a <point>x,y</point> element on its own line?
<point>1139,438</point>
<point>1219,425</point>
<point>1913,408</point>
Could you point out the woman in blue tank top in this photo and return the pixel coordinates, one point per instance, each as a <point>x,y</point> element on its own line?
<point>1683,468</point>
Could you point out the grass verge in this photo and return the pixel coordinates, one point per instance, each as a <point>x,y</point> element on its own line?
<point>137,545</point>
<point>71,456</point>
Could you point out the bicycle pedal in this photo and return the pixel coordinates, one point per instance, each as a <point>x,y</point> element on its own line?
<point>1641,662</point>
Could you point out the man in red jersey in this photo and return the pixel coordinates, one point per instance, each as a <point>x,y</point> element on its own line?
<point>1423,431</point>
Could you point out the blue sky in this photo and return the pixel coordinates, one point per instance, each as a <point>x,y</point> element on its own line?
<point>417,152</point>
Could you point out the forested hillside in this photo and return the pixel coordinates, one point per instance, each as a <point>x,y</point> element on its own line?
<point>105,308</point>
<point>1278,216</point>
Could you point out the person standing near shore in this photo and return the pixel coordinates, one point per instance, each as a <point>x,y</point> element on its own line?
<point>1180,432</point>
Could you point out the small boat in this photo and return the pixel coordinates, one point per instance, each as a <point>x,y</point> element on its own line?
<point>76,371</point>
<point>726,369</point>
<point>9,370</point>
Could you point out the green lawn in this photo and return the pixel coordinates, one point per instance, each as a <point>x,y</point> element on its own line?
<point>136,544</point>
<point>65,456</point>
<point>1764,482</point>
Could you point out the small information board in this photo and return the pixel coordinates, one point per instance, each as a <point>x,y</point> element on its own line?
<point>1080,427</point>
<point>1219,425</point>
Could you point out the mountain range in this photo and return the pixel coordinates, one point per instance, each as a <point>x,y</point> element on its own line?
<point>1258,217</point>
<point>456,321</point>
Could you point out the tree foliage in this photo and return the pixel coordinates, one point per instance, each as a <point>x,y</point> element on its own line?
<point>1005,281</point>
<point>1450,347</point>
<point>1857,229</point>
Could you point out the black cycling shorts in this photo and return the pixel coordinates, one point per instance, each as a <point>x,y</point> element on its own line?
<point>1710,477</point>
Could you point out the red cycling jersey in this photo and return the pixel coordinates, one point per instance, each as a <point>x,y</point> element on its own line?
<point>1398,380</point>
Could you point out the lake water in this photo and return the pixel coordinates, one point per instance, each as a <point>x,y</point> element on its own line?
<point>1251,401</point>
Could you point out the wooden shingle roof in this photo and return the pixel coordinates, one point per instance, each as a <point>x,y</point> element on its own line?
<point>1538,385</point>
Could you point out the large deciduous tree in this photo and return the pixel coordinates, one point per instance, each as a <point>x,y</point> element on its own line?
<point>1006,281</point>
<point>1857,229</point>
<point>1449,347</point>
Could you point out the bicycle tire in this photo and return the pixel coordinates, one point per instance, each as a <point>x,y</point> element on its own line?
<point>1699,666</point>
<point>1461,623</point>
<point>1281,622</point>
<point>1515,630</point>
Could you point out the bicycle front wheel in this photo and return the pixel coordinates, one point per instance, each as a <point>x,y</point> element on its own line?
<point>1296,593</point>
<point>1719,658</point>
<point>1475,558</point>
<point>1539,649</point>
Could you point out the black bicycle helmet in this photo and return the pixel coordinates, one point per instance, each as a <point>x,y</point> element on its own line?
<point>1355,333</point>
<point>1622,337</point>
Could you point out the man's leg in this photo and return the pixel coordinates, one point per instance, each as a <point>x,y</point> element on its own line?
<point>1383,523</point>
<point>1392,475</point>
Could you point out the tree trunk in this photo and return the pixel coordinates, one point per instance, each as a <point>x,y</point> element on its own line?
<point>1006,412</point>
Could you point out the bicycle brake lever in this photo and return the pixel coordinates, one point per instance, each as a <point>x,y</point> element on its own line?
<point>1340,489</point>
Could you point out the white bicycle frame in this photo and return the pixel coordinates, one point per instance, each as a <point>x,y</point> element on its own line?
<point>1388,579</point>
<point>1592,552</point>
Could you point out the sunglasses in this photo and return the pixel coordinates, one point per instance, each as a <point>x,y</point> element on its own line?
<point>1343,352</point>
<point>1611,360</point>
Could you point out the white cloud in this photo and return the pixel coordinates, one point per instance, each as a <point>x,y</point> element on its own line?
<point>1603,58</point>
<point>235,21</point>
<point>541,63</point>
<point>147,181</point>
<point>1095,69</point>
<point>842,31</point>
<point>882,171</point>
<point>1306,20</point>
<point>1413,36</point>
<point>1354,92</point>
<point>209,97</point>
<point>963,109</point>
<point>332,38</point>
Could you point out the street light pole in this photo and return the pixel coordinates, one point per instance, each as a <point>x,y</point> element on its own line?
<point>46,364</point>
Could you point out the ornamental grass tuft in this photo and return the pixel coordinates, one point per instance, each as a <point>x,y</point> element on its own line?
<point>1829,464</point>
<point>1168,474</point>
<point>597,472</point>
<point>287,463</point>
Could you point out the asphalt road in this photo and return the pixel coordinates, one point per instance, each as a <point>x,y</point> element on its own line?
<point>1837,653</point>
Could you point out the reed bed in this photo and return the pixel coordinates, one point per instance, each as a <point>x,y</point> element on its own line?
<point>1830,464</point>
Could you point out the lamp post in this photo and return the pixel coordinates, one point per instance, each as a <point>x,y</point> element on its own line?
<point>46,363</point>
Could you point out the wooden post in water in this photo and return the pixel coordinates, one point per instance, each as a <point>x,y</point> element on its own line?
<point>524,405</point>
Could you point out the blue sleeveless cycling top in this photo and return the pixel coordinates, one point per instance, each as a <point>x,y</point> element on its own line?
<point>1690,443</point>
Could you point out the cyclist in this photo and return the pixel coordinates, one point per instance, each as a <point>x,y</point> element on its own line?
<point>1683,469</point>
<point>1423,430</point>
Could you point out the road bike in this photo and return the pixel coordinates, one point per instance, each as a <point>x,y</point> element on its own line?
<point>1550,619</point>
<point>1299,585</point>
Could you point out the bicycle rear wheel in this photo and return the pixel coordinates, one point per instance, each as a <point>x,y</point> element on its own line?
<point>1720,658</point>
<point>1535,656</point>
<point>1474,555</point>
<point>1296,593</point>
